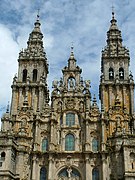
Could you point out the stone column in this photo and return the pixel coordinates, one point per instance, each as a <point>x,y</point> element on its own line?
<point>103,96</point>
<point>40,98</point>
<point>110,96</point>
<point>37,140</point>
<point>87,139</point>
<point>33,98</point>
<point>34,169</point>
<point>104,174</point>
<point>88,171</point>
<point>14,101</point>
<point>132,99</point>
<point>20,98</point>
<point>51,168</point>
<point>103,136</point>
<point>20,165</point>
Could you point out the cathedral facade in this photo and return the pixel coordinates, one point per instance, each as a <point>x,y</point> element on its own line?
<point>67,136</point>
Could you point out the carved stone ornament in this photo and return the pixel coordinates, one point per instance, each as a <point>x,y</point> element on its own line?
<point>70,103</point>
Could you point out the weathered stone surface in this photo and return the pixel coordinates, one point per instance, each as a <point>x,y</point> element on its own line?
<point>70,138</point>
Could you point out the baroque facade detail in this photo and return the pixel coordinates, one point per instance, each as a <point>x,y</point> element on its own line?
<point>70,138</point>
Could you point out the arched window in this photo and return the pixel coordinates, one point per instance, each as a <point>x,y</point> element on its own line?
<point>121,73</point>
<point>132,160</point>
<point>43,173</point>
<point>69,142</point>
<point>69,172</point>
<point>34,75</point>
<point>70,119</point>
<point>95,174</point>
<point>95,145</point>
<point>111,73</point>
<point>3,155</point>
<point>44,145</point>
<point>24,75</point>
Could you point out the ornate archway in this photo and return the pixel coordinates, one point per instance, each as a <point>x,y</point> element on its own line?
<point>69,173</point>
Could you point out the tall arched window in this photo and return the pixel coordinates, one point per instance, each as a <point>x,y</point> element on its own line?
<point>111,73</point>
<point>24,75</point>
<point>70,119</point>
<point>121,73</point>
<point>95,174</point>
<point>95,145</point>
<point>69,142</point>
<point>44,145</point>
<point>43,173</point>
<point>34,75</point>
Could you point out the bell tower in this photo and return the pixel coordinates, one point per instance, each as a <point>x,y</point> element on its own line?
<point>30,85</point>
<point>116,81</point>
<point>117,100</point>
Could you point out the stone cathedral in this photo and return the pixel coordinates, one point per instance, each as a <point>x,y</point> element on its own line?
<point>66,136</point>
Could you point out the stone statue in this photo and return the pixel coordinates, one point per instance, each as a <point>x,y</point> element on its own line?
<point>55,84</point>
<point>87,84</point>
<point>69,170</point>
<point>71,83</point>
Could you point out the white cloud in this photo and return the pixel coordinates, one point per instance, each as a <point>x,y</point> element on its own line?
<point>8,63</point>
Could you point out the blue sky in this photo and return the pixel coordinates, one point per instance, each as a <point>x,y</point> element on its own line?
<point>84,22</point>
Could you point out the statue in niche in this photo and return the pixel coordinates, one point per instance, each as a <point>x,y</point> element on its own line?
<point>55,84</point>
<point>61,82</point>
<point>87,84</point>
<point>24,122</point>
<point>71,83</point>
<point>22,129</point>
<point>81,106</point>
<point>15,78</point>
<point>59,107</point>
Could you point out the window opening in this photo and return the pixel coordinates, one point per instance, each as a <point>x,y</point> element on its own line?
<point>44,145</point>
<point>70,119</point>
<point>69,172</point>
<point>69,142</point>
<point>132,166</point>
<point>24,75</point>
<point>3,154</point>
<point>95,145</point>
<point>43,173</point>
<point>121,73</point>
<point>95,174</point>
<point>111,74</point>
<point>34,75</point>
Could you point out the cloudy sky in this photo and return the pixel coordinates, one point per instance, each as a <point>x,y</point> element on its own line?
<point>84,22</point>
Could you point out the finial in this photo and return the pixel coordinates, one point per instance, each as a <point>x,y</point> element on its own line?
<point>72,47</point>
<point>102,108</point>
<point>95,102</point>
<point>38,15</point>
<point>112,12</point>
<point>94,99</point>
